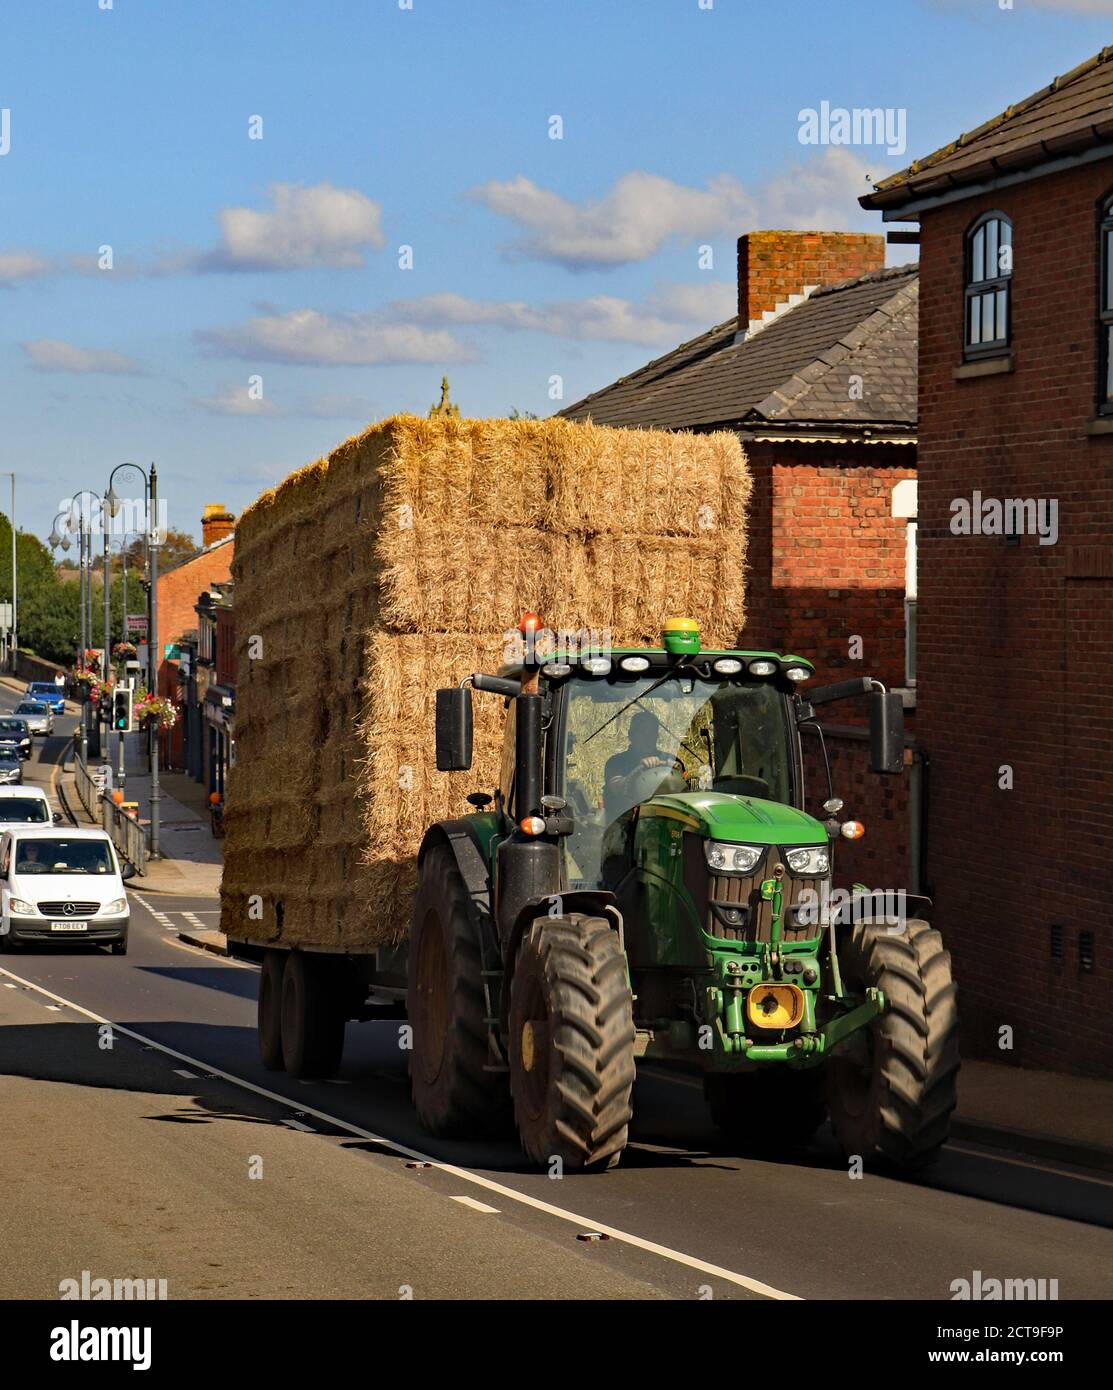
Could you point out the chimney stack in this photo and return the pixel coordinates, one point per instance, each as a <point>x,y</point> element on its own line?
<point>774,265</point>
<point>216,523</point>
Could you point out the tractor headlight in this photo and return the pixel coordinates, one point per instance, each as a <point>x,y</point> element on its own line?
<point>726,666</point>
<point>555,670</point>
<point>797,673</point>
<point>812,862</point>
<point>732,859</point>
<point>763,668</point>
<point>635,663</point>
<point>596,665</point>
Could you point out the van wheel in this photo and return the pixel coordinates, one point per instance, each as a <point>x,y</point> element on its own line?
<point>120,948</point>
<point>269,1021</point>
<point>312,1021</point>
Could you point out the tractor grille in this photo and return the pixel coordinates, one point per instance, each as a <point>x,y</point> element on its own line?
<point>740,895</point>
<point>68,909</point>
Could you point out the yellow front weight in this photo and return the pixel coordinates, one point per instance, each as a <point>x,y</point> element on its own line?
<point>775,1006</point>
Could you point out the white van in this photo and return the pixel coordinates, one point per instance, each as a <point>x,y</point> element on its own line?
<point>62,885</point>
<point>25,805</point>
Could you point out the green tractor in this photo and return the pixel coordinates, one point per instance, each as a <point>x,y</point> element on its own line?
<point>644,883</point>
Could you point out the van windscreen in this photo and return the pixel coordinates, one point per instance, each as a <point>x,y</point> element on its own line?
<point>24,810</point>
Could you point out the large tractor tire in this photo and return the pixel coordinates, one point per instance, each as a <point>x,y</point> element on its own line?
<point>766,1111</point>
<point>312,1019</point>
<point>453,1094</point>
<point>269,1020</point>
<point>892,1086</point>
<point>571,1043</point>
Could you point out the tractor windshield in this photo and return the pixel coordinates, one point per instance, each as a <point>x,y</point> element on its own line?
<point>628,740</point>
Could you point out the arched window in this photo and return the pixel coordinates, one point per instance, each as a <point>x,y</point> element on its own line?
<point>989,272</point>
<point>1105,308</point>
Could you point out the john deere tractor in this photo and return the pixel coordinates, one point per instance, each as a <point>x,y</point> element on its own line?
<point>645,883</point>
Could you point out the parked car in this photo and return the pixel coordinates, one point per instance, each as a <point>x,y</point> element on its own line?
<point>25,805</point>
<point>62,885</point>
<point>49,693</point>
<point>39,716</point>
<point>15,738</point>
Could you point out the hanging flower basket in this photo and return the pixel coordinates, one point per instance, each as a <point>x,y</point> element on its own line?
<point>154,709</point>
<point>124,651</point>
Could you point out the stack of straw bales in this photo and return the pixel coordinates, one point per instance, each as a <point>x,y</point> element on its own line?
<point>397,565</point>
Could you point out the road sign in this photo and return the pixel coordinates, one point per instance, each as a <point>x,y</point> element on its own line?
<point>5,616</point>
<point>137,626</point>
<point>101,773</point>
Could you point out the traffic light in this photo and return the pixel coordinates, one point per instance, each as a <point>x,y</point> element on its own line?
<point>121,711</point>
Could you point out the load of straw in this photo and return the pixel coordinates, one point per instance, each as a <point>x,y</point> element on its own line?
<point>396,565</point>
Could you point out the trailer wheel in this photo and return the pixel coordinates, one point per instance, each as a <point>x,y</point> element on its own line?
<point>312,1021</point>
<point>269,1022</point>
<point>892,1087</point>
<point>773,1108</point>
<point>452,1093</point>
<point>571,1043</point>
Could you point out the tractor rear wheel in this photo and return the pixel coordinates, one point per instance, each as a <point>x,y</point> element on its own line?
<point>773,1108</point>
<point>892,1086</point>
<point>453,1094</point>
<point>572,1043</point>
<point>312,1025</point>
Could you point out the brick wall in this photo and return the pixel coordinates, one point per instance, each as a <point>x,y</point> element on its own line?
<point>773,265</point>
<point>826,563</point>
<point>179,588</point>
<point>1014,639</point>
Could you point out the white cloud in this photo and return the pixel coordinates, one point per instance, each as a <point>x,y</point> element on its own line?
<point>18,265</point>
<point>53,355</point>
<point>641,213</point>
<point>318,226</point>
<point>670,312</point>
<point>236,400</point>
<point>315,339</point>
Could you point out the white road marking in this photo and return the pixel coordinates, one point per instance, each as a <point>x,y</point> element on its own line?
<point>55,1008</point>
<point>8,985</point>
<point>476,1206</point>
<point>297,1124</point>
<point>189,1075</point>
<point>1025,1163</point>
<point>509,1194</point>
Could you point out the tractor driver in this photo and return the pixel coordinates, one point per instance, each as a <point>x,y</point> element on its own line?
<point>644,751</point>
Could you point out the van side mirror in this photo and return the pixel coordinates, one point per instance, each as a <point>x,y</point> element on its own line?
<point>127,871</point>
<point>454,729</point>
<point>886,733</point>
<point>57,818</point>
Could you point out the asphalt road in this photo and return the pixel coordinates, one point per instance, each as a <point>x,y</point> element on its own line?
<point>140,1153</point>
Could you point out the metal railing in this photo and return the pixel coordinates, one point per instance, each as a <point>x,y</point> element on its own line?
<point>128,835</point>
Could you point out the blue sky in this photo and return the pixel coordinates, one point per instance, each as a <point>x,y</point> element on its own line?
<point>277,259</point>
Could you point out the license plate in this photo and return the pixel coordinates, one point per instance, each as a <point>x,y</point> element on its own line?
<point>69,926</point>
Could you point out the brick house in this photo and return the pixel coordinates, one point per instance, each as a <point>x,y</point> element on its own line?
<point>816,373</point>
<point>177,616</point>
<point>1015,613</point>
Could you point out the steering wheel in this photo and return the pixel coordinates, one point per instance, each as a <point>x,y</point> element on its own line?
<point>646,782</point>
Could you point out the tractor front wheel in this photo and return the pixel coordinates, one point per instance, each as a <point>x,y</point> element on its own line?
<point>453,1093</point>
<point>892,1086</point>
<point>571,1043</point>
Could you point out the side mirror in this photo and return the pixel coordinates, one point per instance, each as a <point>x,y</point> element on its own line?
<point>57,818</point>
<point>886,733</point>
<point>454,729</point>
<point>128,871</point>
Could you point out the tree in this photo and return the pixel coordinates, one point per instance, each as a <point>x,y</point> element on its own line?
<point>177,546</point>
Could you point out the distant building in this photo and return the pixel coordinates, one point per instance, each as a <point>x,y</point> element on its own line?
<point>177,612</point>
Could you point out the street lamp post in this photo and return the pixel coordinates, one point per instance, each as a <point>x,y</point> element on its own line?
<point>15,610</point>
<point>150,493</point>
